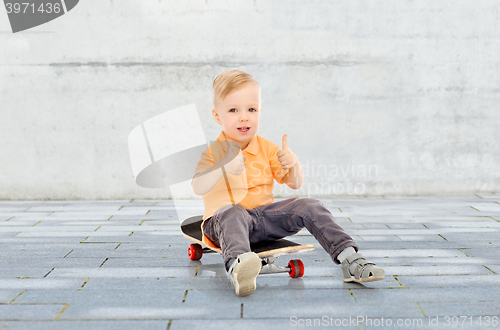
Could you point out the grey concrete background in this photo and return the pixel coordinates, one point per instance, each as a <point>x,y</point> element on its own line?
<point>408,89</point>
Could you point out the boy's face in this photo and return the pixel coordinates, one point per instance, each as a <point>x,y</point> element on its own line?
<point>240,109</point>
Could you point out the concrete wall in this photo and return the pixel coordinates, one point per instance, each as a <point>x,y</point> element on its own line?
<point>406,93</point>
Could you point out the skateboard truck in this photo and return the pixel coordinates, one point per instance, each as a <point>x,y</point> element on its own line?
<point>295,267</point>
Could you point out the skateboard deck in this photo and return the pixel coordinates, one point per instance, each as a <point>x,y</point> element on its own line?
<point>191,229</point>
<point>267,251</point>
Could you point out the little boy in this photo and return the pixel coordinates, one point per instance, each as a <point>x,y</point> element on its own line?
<point>237,191</point>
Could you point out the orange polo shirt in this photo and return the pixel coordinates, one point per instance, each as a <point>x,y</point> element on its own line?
<point>251,188</point>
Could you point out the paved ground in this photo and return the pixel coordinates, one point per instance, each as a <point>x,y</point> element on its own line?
<point>124,265</point>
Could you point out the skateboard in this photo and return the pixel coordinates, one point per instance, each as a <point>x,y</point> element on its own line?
<point>267,251</point>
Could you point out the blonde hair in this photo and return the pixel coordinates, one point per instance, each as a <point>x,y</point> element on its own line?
<point>230,81</point>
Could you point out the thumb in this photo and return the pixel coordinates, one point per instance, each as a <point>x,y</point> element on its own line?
<point>285,144</point>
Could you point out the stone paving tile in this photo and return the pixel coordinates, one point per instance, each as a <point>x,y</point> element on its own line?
<point>18,223</point>
<point>25,215</point>
<point>449,281</point>
<point>429,244</point>
<point>243,324</point>
<point>8,295</point>
<point>419,294</point>
<point>94,223</point>
<point>81,234</point>
<point>75,207</point>
<point>41,262</point>
<point>43,229</point>
<point>5,209</point>
<point>120,272</point>
<point>494,267</point>
<point>436,270</point>
<point>40,283</point>
<point>411,219</point>
<point>489,223</point>
<point>126,298</point>
<point>24,272</point>
<point>18,311</point>
<point>463,237</point>
<point>85,325</point>
<point>465,308</point>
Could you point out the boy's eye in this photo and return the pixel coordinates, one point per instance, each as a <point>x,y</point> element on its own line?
<point>251,109</point>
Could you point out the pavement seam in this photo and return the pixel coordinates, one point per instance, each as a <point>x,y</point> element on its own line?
<point>104,262</point>
<point>398,281</point>
<point>352,295</point>
<point>442,237</point>
<point>420,309</point>
<point>49,272</point>
<point>17,297</point>
<point>185,296</point>
<point>85,282</point>
<point>61,311</point>
<point>490,270</point>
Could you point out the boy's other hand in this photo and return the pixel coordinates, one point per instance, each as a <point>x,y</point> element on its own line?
<point>236,165</point>
<point>285,156</point>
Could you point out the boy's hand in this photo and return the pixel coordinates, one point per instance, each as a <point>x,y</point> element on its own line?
<point>237,165</point>
<point>286,157</point>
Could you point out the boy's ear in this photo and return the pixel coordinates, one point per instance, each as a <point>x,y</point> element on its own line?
<point>216,116</point>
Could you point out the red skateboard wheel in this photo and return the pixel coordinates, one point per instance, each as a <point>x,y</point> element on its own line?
<point>195,251</point>
<point>296,268</point>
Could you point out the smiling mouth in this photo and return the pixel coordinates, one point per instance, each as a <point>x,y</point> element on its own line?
<point>243,129</point>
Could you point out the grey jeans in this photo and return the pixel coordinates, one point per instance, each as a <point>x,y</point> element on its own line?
<point>233,227</point>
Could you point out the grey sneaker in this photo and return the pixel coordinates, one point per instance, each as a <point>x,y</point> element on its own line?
<point>365,270</point>
<point>243,273</point>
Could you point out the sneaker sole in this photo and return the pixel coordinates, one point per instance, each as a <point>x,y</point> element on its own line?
<point>246,276</point>
<point>362,280</point>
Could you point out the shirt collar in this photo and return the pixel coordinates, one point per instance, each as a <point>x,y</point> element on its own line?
<point>252,147</point>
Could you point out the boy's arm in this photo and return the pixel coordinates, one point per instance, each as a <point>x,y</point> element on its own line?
<point>203,183</point>
<point>295,176</point>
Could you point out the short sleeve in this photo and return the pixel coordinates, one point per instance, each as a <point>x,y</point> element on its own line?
<point>210,156</point>
<point>278,172</point>
<point>204,164</point>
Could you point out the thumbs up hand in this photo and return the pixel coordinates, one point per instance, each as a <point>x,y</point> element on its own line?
<point>285,156</point>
